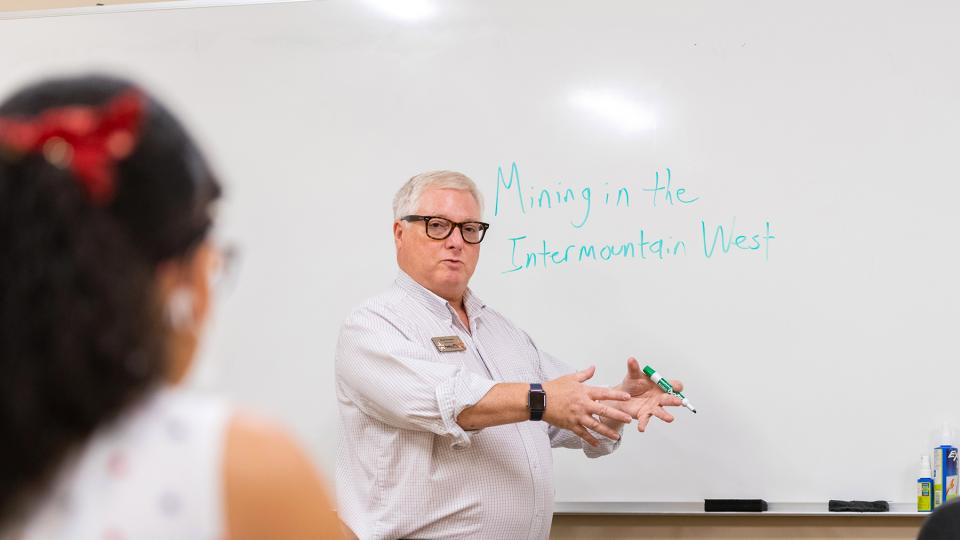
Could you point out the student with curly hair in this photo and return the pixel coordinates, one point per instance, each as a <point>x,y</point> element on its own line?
<point>105,267</point>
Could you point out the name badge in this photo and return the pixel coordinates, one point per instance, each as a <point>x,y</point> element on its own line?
<point>448,344</point>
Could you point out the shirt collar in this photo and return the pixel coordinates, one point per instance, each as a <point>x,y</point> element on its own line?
<point>439,306</point>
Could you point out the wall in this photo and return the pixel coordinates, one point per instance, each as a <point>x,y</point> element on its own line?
<point>24,5</point>
<point>697,527</point>
<point>575,527</point>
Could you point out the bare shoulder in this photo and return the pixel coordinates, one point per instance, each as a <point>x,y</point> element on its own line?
<point>261,451</point>
<point>272,488</point>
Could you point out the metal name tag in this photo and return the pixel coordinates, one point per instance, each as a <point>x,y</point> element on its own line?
<point>448,344</point>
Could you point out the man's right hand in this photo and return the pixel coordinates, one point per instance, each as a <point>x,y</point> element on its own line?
<point>572,405</point>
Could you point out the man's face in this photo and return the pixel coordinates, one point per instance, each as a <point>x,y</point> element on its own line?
<point>442,266</point>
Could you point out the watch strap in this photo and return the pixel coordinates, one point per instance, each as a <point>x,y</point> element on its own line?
<point>536,412</point>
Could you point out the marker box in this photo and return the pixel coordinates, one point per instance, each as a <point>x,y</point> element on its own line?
<point>945,480</point>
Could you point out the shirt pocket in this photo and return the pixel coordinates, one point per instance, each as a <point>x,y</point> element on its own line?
<point>454,358</point>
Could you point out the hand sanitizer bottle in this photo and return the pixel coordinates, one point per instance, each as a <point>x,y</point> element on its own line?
<point>925,486</point>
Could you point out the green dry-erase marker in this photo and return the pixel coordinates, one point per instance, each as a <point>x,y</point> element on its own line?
<point>666,386</point>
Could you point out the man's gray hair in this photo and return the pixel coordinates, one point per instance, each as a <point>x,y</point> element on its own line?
<point>406,200</point>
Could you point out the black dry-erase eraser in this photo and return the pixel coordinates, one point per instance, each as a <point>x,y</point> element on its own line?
<point>858,506</point>
<point>734,505</point>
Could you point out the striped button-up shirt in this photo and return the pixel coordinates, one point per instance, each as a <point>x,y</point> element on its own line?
<point>405,468</point>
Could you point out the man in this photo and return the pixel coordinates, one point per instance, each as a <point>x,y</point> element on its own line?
<point>448,411</point>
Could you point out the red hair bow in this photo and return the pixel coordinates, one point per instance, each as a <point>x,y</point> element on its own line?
<point>86,140</point>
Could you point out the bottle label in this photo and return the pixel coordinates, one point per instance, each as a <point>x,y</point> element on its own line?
<point>924,496</point>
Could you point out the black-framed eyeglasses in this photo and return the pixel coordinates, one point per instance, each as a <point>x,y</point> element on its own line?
<point>440,228</point>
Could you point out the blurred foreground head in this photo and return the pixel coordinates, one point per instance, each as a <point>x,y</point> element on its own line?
<point>105,208</point>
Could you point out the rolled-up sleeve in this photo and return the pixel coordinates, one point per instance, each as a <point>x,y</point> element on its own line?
<point>394,379</point>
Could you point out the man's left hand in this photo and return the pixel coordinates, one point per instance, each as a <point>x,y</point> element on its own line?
<point>647,399</point>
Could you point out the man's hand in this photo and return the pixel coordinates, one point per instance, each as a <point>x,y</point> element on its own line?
<point>646,398</point>
<point>572,404</point>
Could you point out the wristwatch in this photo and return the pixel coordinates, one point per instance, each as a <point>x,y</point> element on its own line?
<point>536,401</point>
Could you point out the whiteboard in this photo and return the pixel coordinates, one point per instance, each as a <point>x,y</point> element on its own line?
<point>820,352</point>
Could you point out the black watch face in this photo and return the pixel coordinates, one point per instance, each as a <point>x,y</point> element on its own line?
<point>537,401</point>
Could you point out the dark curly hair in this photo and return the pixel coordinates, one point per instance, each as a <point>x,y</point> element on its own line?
<point>81,333</point>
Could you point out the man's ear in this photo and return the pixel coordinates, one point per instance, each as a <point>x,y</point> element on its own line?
<point>398,233</point>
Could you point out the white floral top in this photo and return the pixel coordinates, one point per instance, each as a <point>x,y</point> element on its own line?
<point>155,473</point>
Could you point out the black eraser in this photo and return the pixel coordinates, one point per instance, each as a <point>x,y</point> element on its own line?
<point>734,505</point>
<point>858,506</point>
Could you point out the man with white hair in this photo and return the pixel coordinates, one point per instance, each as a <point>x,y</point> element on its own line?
<point>448,411</point>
